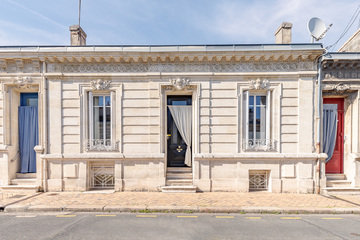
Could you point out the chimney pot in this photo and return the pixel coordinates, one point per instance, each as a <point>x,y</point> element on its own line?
<point>77,36</point>
<point>283,33</point>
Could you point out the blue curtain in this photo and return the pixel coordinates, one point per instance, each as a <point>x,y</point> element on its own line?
<point>28,138</point>
<point>329,129</point>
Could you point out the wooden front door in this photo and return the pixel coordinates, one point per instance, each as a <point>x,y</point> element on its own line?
<point>335,165</point>
<point>176,146</point>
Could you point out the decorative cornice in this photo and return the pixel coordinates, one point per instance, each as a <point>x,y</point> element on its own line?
<point>100,84</point>
<point>341,74</point>
<point>178,84</point>
<point>259,84</point>
<point>195,66</point>
<point>22,82</point>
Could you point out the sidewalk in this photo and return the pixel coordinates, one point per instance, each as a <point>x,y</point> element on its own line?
<point>215,202</point>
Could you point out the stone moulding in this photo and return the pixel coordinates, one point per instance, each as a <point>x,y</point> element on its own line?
<point>259,84</point>
<point>22,82</point>
<point>178,84</point>
<point>100,84</point>
<point>199,66</point>
<point>340,88</point>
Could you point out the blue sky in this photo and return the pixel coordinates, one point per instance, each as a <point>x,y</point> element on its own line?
<point>127,22</point>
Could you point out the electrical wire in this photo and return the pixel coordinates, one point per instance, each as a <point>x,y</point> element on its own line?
<point>348,26</point>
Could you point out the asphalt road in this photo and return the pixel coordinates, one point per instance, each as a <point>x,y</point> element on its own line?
<point>177,226</point>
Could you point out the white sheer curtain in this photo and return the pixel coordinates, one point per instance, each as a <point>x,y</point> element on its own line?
<point>182,119</point>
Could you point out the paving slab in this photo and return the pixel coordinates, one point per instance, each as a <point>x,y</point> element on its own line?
<point>213,202</point>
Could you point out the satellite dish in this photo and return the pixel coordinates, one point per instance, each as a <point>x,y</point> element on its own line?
<point>317,29</point>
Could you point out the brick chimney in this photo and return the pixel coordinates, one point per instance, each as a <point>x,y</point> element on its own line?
<point>77,36</point>
<point>283,33</point>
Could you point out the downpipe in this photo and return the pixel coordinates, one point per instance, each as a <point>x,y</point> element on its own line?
<point>44,162</point>
<point>319,125</point>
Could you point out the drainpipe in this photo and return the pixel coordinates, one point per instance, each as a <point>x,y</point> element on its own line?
<point>318,120</point>
<point>45,126</point>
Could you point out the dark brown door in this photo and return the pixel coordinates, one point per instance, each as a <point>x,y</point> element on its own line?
<point>335,164</point>
<point>176,146</point>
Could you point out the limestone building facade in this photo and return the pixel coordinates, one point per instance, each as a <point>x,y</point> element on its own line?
<point>104,118</point>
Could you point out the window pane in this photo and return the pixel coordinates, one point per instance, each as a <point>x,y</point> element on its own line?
<point>98,101</point>
<point>251,122</point>
<point>107,101</point>
<point>108,123</point>
<point>263,100</point>
<point>251,100</point>
<point>98,123</point>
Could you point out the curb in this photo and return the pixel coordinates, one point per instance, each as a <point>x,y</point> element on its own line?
<point>186,209</point>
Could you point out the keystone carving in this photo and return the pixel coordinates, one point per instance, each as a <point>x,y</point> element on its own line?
<point>100,84</point>
<point>340,88</point>
<point>259,84</point>
<point>178,84</point>
<point>23,82</point>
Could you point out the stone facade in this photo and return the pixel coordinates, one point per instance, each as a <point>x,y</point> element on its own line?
<point>139,79</point>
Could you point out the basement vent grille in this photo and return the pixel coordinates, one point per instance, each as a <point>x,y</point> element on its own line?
<point>258,180</point>
<point>102,177</point>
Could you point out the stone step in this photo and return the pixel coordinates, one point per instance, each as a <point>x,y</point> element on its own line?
<point>341,190</point>
<point>19,189</point>
<point>178,189</point>
<point>335,176</point>
<point>26,175</point>
<point>179,170</point>
<point>179,182</point>
<point>179,176</point>
<point>23,181</point>
<point>338,183</point>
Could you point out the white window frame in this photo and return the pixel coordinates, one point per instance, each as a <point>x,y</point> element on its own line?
<point>101,144</point>
<point>266,144</point>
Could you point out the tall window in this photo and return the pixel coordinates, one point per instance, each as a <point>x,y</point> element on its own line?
<point>100,122</point>
<point>257,121</point>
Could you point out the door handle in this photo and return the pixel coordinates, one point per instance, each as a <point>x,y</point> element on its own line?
<point>179,149</point>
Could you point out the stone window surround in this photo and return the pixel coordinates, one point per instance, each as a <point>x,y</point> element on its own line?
<point>275,89</point>
<point>84,90</point>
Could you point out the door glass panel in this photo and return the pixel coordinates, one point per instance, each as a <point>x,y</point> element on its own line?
<point>178,102</point>
<point>29,99</point>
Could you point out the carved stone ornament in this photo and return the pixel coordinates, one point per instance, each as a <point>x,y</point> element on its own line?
<point>178,84</point>
<point>23,82</point>
<point>340,88</point>
<point>100,84</point>
<point>259,84</point>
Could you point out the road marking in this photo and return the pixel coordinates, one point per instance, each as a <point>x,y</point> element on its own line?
<point>253,217</point>
<point>224,216</point>
<point>290,217</point>
<point>65,216</point>
<point>331,218</point>
<point>26,216</point>
<point>187,216</point>
<point>105,215</point>
<point>145,216</point>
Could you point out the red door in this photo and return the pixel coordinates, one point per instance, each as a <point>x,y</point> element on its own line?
<point>335,165</point>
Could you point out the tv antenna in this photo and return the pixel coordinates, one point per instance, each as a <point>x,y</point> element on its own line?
<point>79,11</point>
<point>317,29</point>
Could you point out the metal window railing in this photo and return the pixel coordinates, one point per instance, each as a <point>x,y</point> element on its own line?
<point>100,145</point>
<point>259,144</point>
